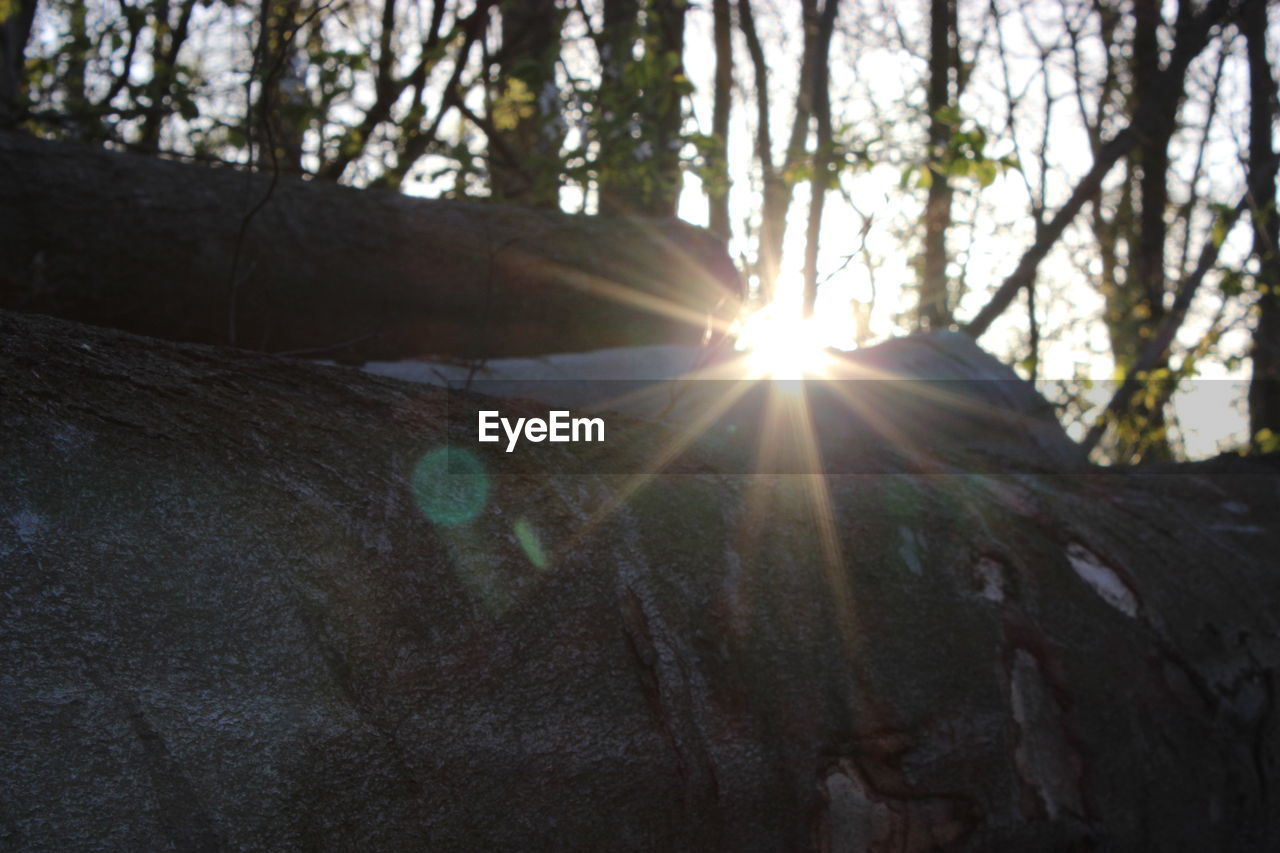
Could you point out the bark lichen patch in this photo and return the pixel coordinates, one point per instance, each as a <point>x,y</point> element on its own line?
<point>1102,579</point>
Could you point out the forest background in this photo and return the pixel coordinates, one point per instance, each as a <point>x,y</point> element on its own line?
<point>1088,186</point>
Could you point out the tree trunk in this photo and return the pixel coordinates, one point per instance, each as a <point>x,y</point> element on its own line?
<point>820,104</point>
<point>778,182</point>
<point>641,107</point>
<point>934,310</point>
<point>1142,299</point>
<point>1264,387</point>
<point>665,23</point>
<point>231,623</point>
<point>718,183</point>
<point>182,252</point>
<point>774,193</point>
<point>281,107</point>
<point>15,31</point>
<point>169,39</point>
<point>525,164</point>
<point>1151,158</point>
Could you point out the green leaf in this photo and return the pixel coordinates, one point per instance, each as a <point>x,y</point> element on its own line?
<point>1219,233</point>
<point>1232,283</point>
<point>949,115</point>
<point>1222,214</point>
<point>985,171</point>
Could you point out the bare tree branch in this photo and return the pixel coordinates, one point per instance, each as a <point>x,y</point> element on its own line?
<point>1191,40</point>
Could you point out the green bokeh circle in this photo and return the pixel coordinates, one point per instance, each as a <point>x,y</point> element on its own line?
<point>450,486</point>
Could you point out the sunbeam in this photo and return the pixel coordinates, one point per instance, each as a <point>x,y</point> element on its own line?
<point>788,443</point>
<point>679,442</point>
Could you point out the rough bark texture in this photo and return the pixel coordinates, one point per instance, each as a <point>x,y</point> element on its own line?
<point>320,266</point>
<point>228,626</point>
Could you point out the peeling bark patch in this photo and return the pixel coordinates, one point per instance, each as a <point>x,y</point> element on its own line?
<point>990,575</point>
<point>1044,758</point>
<point>1104,581</point>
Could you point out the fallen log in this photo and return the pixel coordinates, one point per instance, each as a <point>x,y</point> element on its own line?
<point>241,611</point>
<point>214,255</point>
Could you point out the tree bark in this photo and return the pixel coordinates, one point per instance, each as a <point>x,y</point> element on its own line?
<point>525,164</point>
<point>280,109</point>
<point>665,22</point>
<point>779,181</point>
<point>934,310</point>
<point>1141,312</point>
<point>229,624</point>
<point>150,246</point>
<point>774,193</point>
<point>1152,161</point>
<point>167,47</point>
<point>641,107</point>
<point>15,31</point>
<point>722,100</point>
<point>820,104</point>
<point>1264,387</point>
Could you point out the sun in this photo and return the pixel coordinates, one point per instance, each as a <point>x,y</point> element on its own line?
<point>780,344</point>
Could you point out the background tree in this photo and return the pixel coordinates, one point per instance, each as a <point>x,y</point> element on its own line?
<point>822,23</point>
<point>717,176</point>
<point>15,29</point>
<point>525,130</point>
<point>1264,390</point>
<point>639,106</point>
<point>935,295</point>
